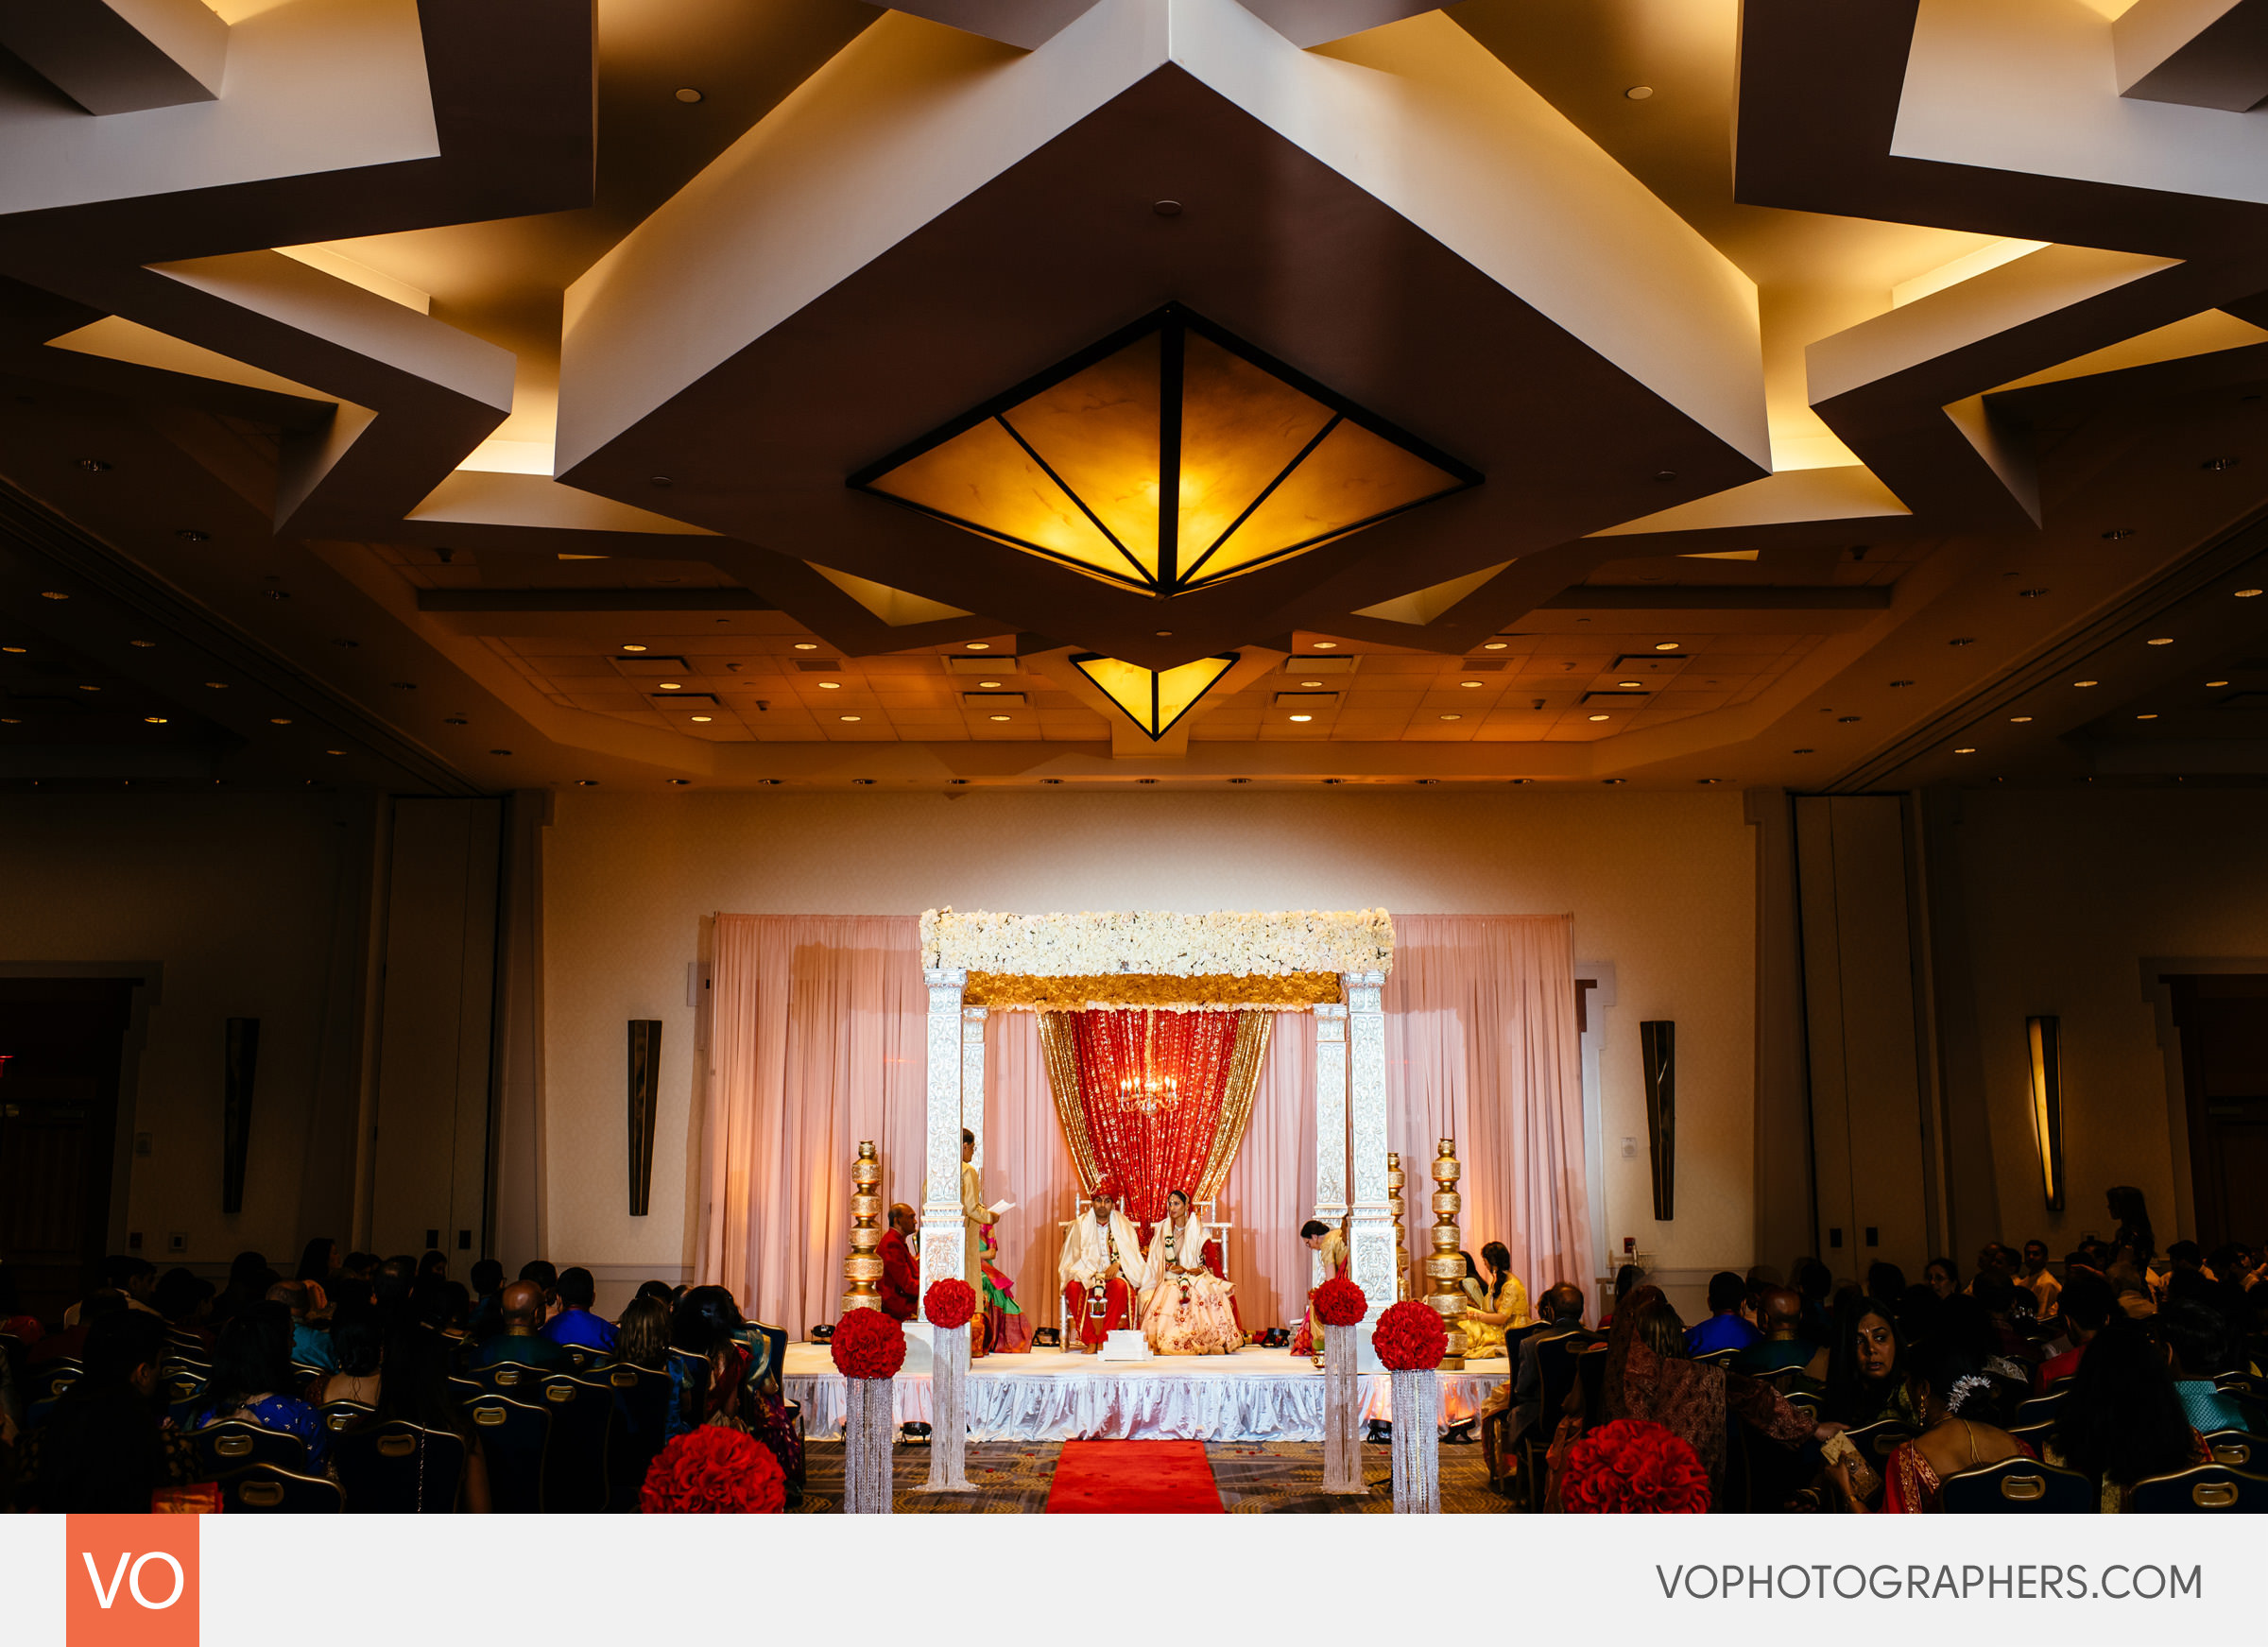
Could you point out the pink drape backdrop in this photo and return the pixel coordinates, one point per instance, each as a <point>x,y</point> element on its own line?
<point>1481,1045</point>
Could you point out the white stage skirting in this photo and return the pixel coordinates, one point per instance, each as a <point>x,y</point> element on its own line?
<point>1255,1394</point>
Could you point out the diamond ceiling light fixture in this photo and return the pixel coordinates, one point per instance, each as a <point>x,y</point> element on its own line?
<point>1154,699</point>
<point>1166,458</point>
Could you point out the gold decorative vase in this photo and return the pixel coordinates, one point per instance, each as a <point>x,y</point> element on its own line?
<point>862,1268</point>
<point>1445,1264</point>
<point>1394,1204</point>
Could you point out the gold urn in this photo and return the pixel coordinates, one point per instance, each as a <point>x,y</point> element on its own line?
<point>1445,1264</point>
<point>862,1268</point>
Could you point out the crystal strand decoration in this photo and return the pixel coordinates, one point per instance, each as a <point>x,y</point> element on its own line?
<point>1417,1397</point>
<point>1445,1268</point>
<point>1402,1243</point>
<point>869,1427</point>
<point>862,1268</point>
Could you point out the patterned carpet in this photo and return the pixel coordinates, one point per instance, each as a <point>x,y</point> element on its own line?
<point>1262,1478</point>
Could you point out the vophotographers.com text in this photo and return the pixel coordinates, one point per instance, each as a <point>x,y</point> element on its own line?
<point>1916,1581</point>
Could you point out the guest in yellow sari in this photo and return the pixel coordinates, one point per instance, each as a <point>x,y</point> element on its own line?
<point>1499,1305</point>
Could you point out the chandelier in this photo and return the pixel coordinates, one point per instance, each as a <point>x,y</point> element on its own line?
<point>1165,457</point>
<point>1143,1090</point>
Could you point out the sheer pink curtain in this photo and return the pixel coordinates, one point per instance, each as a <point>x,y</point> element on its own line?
<point>1482,1047</point>
<point>1271,1190</point>
<point>815,1044</point>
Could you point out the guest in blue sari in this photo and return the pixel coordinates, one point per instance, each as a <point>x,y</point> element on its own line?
<point>251,1372</point>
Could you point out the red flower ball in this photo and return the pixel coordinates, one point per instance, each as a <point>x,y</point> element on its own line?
<point>868,1345</point>
<point>713,1470</point>
<point>950,1302</point>
<point>1340,1303</point>
<point>1633,1467</point>
<point>1409,1337</point>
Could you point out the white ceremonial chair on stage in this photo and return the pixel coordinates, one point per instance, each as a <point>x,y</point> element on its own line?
<point>1214,1232</point>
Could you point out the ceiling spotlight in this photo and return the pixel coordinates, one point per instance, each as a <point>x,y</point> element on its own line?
<point>1166,634</point>
<point>334,751</point>
<point>2087,683</point>
<point>1499,646</point>
<point>980,645</point>
<point>145,645</point>
<point>2118,532</point>
<point>1598,717</point>
<point>1614,780</point>
<point>1637,93</point>
<point>2212,463</point>
<point>90,689</point>
<point>988,683</point>
<point>1324,645</point>
<point>671,686</point>
<point>10,648</point>
<point>94,465</point>
<point>2246,593</point>
<point>807,646</point>
<point>688,93</point>
<point>279,720</point>
<point>704,719</point>
<point>847,718</point>
<point>1468,684</point>
<point>831,686</point>
<point>2018,720</point>
<point>2148,717</point>
<point>1000,718</point>
<point>155,720</point>
<point>1665,645</point>
<point>1303,717</point>
<point>1452,718</point>
<point>586,782</point>
<point>1629,685</point>
<point>1966,749</point>
<point>191,535</point>
<point>1962,641</point>
<point>218,685</point>
<point>2160,641</point>
<point>53,594</point>
<point>631,646</point>
<point>2216,683</point>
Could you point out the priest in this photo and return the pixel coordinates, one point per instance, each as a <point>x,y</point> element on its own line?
<point>1102,1270</point>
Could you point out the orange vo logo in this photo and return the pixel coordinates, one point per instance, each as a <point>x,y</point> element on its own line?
<point>130,1581</point>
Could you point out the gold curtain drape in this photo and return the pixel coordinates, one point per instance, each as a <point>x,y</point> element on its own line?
<point>1251,1052</point>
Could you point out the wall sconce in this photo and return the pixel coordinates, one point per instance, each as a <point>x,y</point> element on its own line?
<point>2046,1043</point>
<point>1657,1052</point>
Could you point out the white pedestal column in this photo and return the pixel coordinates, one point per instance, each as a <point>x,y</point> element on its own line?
<point>1370,1221</point>
<point>1330,1124</point>
<point>941,1198</point>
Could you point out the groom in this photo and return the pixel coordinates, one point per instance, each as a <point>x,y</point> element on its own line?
<point>1102,1270</point>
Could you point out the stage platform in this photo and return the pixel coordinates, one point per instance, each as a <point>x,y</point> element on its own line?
<point>1255,1394</point>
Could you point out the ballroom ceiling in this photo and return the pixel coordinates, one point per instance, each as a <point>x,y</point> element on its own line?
<point>466,396</point>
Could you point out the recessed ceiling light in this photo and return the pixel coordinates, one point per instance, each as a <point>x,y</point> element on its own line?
<point>2246,593</point>
<point>831,686</point>
<point>2159,641</point>
<point>1665,645</point>
<point>807,646</point>
<point>1499,646</point>
<point>704,718</point>
<point>2018,720</point>
<point>1452,718</point>
<point>1468,684</point>
<point>848,717</point>
<point>155,720</point>
<point>10,721</point>
<point>218,685</point>
<point>1303,717</point>
<point>53,594</point>
<point>145,645</point>
<point>1637,93</point>
<point>279,720</point>
<point>334,751</point>
<point>671,686</point>
<point>680,780</point>
<point>629,646</point>
<point>1968,750</point>
<point>1000,718</point>
<point>1166,634</point>
<point>2147,717</point>
<point>980,645</point>
<point>988,683</point>
<point>10,648</point>
<point>2216,683</point>
<point>1629,685</point>
<point>90,689</point>
<point>1614,780</point>
<point>1598,717</point>
<point>2087,683</point>
<point>1325,645</point>
<point>688,93</point>
<point>1303,682</point>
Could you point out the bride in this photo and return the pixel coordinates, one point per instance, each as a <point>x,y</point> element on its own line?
<point>1188,1311</point>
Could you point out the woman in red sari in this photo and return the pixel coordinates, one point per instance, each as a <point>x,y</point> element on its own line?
<point>1944,1386</point>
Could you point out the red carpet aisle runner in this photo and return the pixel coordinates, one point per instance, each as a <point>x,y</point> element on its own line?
<point>1134,1478</point>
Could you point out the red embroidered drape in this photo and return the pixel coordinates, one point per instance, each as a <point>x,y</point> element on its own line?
<point>1159,1100</point>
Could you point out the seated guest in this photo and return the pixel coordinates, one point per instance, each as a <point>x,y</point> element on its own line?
<point>391,1284</point>
<point>1649,1376</point>
<point>714,1381</point>
<point>1942,1277</point>
<point>70,1343</point>
<point>642,1332</point>
<point>488,1280</point>
<point>2123,1420</point>
<point>520,1307</point>
<point>1500,1304</point>
<point>1941,1384</point>
<point>2088,1305</point>
<point>1626,1281</point>
<point>185,1299</point>
<point>318,1262</point>
<point>132,1278</point>
<point>415,1387</point>
<point>574,1323</point>
<point>434,1265</point>
<point>540,1272</point>
<point>358,1354</point>
<point>2199,1341</point>
<point>105,1446</point>
<point>251,1372</point>
<point>1860,1364</point>
<point>248,1280</point>
<point>2039,1281</point>
<point>1885,1280</point>
<point>1814,1281</point>
<point>901,1270</point>
<point>1562,1321</point>
<point>1724,1329</point>
<point>310,1344</point>
<point>1781,1349</point>
<point>21,1328</point>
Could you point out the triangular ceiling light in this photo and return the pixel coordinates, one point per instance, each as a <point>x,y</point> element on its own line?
<point>1154,699</point>
<point>1165,457</point>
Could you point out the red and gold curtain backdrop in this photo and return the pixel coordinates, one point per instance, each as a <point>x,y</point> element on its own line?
<point>1158,1099</point>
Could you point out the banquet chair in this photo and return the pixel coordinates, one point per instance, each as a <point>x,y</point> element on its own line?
<point>1717,1358</point>
<point>514,1378</point>
<point>342,1415</point>
<point>582,1425</point>
<point>463,1390</point>
<point>231,1443</point>
<point>514,1438</point>
<point>271,1489</point>
<point>2202,1488</point>
<point>1877,1441</point>
<point>2040,1408</point>
<point>399,1468</point>
<point>582,1358</point>
<point>2237,1449</point>
<point>642,1397</point>
<point>47,1382</point>
<point>2019,1485</point>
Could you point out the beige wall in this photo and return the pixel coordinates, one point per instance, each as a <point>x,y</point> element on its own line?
<point>2067,895</point>
<point>234,896</point>
<point>1660,885</point>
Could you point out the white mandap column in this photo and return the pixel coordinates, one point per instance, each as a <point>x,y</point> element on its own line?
<point>1370,1224</point>
<point>941,1199</point>
<point>1330,1124</point>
